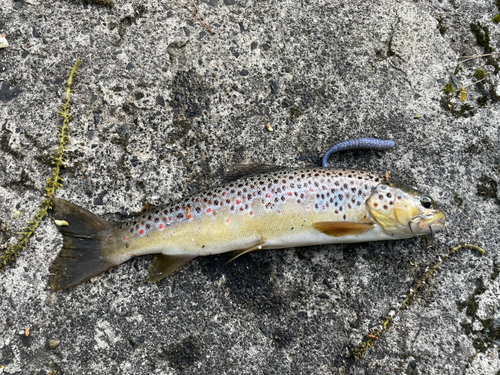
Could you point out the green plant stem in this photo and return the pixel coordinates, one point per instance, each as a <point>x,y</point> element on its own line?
<point>53,183</point>
<point>387,322</point>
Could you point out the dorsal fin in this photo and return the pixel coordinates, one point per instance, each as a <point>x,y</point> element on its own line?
<point>244,170</point>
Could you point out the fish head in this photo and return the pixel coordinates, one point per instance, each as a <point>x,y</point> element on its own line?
<point>403,211</point>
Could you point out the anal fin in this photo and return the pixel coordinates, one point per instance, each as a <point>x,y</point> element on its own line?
<point>341,228</point>
<point>165,265</point>
<point>258,246</point>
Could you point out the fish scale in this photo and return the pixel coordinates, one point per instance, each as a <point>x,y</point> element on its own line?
<point>267,210</point>
<point>334,191</point>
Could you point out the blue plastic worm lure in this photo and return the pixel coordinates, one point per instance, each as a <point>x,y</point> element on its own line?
<point>359,144</point>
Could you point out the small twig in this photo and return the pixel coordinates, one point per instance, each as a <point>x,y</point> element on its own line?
<point>473,83</point>
<point>473,57</point>
<point>375,334</point>
<point>202,19</point>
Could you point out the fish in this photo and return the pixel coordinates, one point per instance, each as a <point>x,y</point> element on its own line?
<point>258,207</point>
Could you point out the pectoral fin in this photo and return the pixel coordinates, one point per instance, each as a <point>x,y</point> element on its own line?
<point>341,228</point>
<point>238,253</point>
<point>165,265</point>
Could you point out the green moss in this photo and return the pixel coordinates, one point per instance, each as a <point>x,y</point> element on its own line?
<point>482,34</point>
<point>496,19</point>
<point>496,271</point>
<point>494,63</point>
<point>107,3</point>
<point>457,69</point>
<point>482,345</point>
<point>294,113</point>
<point>487,323</point>
<point>449,88</point>
<point>465,110</point>
<point>487,188</point>
<point>458,200</point>
<point>182,130</point>
<point>441,27</point>
<point>495,98</point>
<point>471,305</point>
<point>390,51</point>
<point>467,328</point>
<point>482,101</point>
<point>480,74</point>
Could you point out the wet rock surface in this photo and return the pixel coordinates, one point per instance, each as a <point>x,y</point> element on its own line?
<point>162,108</point>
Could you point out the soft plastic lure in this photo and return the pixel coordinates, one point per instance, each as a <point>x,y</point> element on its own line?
<point>359,144</point>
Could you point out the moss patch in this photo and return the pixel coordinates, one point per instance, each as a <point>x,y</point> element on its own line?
<point>441,27</point>
<point>496,271</point>
<point>482,34</point>
<point>106,3</point>
<point>449,88</point>
<point>465,110</point>
<point>294,113</point>
<point>480,74</point>
<point>487,188</point>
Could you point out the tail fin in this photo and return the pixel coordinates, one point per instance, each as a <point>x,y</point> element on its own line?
<point>83,253</point>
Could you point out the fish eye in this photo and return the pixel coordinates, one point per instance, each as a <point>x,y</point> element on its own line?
<point>426,201</point>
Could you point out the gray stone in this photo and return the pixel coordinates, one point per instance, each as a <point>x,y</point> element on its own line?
<point>349,69</point>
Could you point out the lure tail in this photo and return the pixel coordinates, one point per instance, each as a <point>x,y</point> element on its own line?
<point>85,252</point>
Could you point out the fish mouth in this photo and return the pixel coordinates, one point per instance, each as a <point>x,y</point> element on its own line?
<point>433,221</point>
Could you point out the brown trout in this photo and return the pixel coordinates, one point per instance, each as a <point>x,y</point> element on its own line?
<point>268,210</point>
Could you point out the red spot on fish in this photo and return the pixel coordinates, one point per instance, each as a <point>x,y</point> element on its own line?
<point>189,216</point>
<point>170,218</point>
<point>124,237</point>
<point>227,220</point>
<point>324,208</point>
<point>290,194</point>
<point>224,194</point>
<point>238,202</point>
<point>110,236</point>
<point>268,195</point>
<point>308,207</point>
<point>209,210</point>
<point>311,189</point>
<point>161,226</point>
<point>142,231</point>
<point>279,212</point>
<point>251,212</point>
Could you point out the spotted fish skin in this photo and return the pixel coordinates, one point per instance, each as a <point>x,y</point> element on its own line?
<point>273,209</point>
<point>253,209</point>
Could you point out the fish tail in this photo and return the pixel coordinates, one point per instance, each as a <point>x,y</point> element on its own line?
<point>85,252</point>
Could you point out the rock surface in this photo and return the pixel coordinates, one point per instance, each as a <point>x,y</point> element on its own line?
<point>161,109</point>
